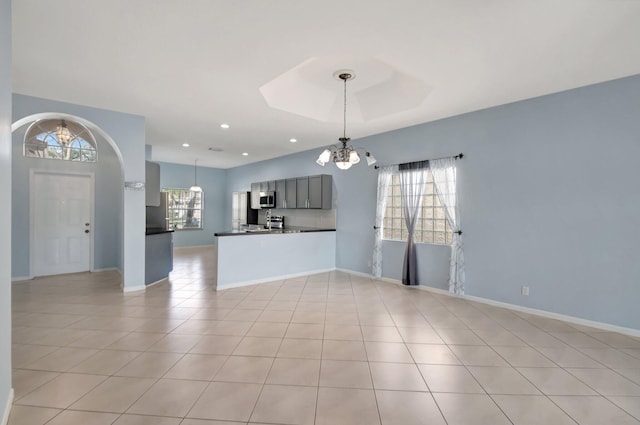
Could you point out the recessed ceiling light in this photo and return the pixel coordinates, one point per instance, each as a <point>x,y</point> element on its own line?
<point>245,153</point>
<point>224,125</point>
<point>293,140</point>
<point>185,145</point>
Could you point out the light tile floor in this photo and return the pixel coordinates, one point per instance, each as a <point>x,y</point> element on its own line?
<point>329,348</point>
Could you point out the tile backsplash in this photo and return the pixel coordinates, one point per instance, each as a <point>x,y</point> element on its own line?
<point>305,218</point>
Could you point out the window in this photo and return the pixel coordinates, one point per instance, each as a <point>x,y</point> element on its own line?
<point>60,139</point>
<point>184,208</point>
<point>432,226</point>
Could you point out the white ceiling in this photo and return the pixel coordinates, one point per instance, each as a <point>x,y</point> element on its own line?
<point>188,66</point>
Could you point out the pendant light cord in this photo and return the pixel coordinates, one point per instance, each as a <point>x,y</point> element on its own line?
<point>344,132</point>
<point>195,176</point>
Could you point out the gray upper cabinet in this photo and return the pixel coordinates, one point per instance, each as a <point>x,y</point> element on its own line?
<point>290,193</point>
<point>152,184</point>
<point>302,192</point>
<point>269,186</point>
<point>314,192</point>
<point>286,193</point>
<point>281,193</point>
<point>256,188</point>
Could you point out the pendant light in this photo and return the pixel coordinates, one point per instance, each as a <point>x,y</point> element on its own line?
<point>344,156</point>
<point>195,187</point>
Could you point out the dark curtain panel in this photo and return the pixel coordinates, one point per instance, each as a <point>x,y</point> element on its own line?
<point>413,177</point>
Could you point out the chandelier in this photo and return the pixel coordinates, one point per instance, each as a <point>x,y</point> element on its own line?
<point>343,156</point>
<point>63,134</point>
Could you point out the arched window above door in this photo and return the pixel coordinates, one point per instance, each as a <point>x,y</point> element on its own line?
<point>60,139</point>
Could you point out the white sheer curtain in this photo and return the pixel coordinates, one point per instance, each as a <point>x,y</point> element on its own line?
<point>444,178</point>
<point>413,177</point>
<point>384,179</point>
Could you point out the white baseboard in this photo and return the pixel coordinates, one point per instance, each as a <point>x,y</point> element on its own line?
<point>156,282</point>
<point>21,278</point>
<point>194,247</point>
<point>421,287</point>
<point>514,307</point>
<point>558,316</point>
<point>106,269</point>
<point>355,273</point>
<point>7,408</point>
<point>271,279</point>
<point>133,288</point>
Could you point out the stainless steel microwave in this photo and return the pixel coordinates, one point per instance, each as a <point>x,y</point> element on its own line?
<point>267,199</point>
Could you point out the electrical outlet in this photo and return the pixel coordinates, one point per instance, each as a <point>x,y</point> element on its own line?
<point>525,291</point>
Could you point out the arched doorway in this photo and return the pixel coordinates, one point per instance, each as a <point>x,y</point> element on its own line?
<point>101,247</point>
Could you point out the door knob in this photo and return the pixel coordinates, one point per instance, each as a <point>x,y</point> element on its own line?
<point>86,224</point>
<point>86,231</point>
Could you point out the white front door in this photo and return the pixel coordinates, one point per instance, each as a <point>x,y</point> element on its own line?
<point>61,212</point>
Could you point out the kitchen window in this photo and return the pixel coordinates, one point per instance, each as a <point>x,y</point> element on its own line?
<point>432,226</point>
<point>184,209</point>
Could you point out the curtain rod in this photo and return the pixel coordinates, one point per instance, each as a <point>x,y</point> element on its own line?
<point>459,156</point>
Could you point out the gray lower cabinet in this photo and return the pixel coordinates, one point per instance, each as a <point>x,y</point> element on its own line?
<point>158,257</point>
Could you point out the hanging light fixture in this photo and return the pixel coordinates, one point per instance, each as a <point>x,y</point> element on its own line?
<point>63,134</point>
<point>343,156</point>
<point>195,187</point>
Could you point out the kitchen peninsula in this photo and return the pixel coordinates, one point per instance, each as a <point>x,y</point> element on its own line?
<point>247,257</point>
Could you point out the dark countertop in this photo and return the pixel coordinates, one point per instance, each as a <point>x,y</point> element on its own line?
<point>156,231</point>
<point>262,231</point>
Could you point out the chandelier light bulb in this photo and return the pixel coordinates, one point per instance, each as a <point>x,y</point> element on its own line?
<point>325,156</point>
<point>370,159</point>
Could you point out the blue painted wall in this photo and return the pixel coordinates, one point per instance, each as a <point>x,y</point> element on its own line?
<point>213,182</point>
<point>5,212</point>
<point>108,203</point>
<point>548,195</point>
